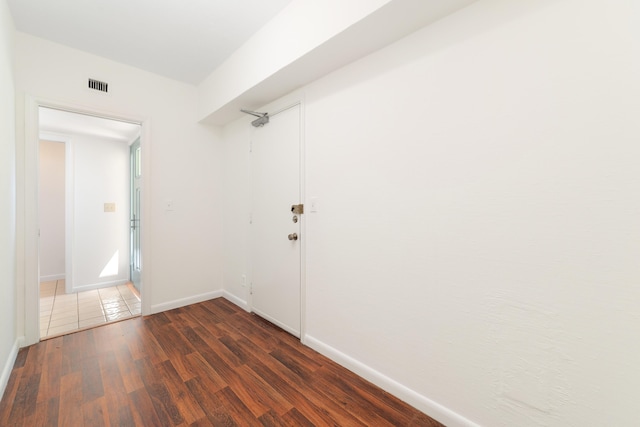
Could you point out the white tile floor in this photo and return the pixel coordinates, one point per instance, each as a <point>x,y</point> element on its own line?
<point>62,313</point>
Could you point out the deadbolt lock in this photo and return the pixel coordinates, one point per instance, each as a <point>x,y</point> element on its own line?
<point>297,209</point>
<point>295,219</point>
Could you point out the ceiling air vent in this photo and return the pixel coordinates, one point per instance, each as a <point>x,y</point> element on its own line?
<point>98,85</point>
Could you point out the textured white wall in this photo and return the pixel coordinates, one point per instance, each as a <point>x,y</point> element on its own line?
<point>306,41</point>
<point>489,167</point>
<point>274,47</point>
<point>184,158</point>
<point>52,210</point>
<point>477,238</point>
<point>8,343</point>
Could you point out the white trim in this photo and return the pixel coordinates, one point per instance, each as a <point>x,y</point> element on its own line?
<point>28,257</point>
<point>420,402</point>
<point>8,367</point>
<point>31,222</point>
<point>52,277</point>
<point>235,300</point>
<point>54,136</point>
<point>145,216</point>
<point>303,219</point>
<point>182,302</point>
<point>69,211</point>
<point>92,286</point>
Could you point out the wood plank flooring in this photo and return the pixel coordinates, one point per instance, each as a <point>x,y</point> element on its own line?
<point>208,364</point>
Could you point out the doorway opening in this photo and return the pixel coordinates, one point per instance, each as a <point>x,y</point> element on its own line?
<point>85,228</point>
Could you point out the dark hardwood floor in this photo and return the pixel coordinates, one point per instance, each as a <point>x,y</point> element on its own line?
<point>209,364</point>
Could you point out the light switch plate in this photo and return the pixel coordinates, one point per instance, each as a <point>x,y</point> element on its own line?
<point>109,207</point>
<point>314,204</point>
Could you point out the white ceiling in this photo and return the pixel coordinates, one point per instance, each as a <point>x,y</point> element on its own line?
<point>55,124</point>
<point>181,39</point>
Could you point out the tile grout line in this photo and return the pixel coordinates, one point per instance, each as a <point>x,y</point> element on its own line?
<point>127,313</point>
<point>104,312</point>
<point>55,290</point>
<point>125,301</point>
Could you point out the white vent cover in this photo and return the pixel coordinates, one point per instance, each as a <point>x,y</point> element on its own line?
<point>98,85</point>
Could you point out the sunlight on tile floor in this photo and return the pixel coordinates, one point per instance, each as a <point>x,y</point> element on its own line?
<point>62,313</point>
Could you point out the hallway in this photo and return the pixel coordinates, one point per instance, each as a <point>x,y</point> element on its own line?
<point>62,313</point>
<point>205,364</point>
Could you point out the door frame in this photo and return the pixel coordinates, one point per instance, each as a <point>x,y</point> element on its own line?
<point>27,215</point>
<point>133,169</point>
<point>278,107</point>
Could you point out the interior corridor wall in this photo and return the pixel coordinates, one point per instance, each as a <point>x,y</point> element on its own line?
<point>100,248</point>
<point>52,207</point>
<point>8,337</point>
<point>183,258</point>
<point>476,242</point>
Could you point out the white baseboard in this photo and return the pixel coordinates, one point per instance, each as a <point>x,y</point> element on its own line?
<point>8,367</point>
<point>420,402</point>
<point>235,300</point>
<point>52,277</point>
<point>93,286</point>
<point>170,305</point>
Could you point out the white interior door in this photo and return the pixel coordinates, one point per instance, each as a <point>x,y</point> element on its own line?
<point>275,254</point>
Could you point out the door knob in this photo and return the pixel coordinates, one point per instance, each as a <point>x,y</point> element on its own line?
<point>293,236</point>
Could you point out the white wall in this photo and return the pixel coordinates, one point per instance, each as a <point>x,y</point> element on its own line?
<point>52,210</point>
<point>184,251</point>
<point>477,242</point>
<point>313,23</point>
<point>100,248</point>
<point>236,200</point>
<point>310,40</point>
<point>8,338</point>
